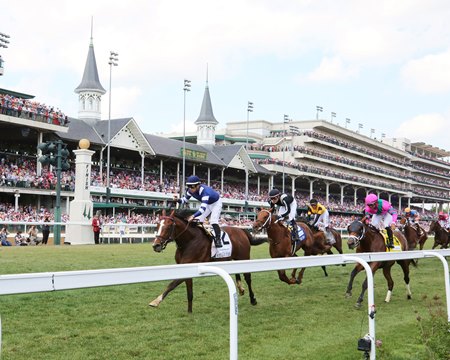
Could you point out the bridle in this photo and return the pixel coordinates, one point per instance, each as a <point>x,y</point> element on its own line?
<point>172,237</point>
<point>268,222</point>
<point>357,239</point>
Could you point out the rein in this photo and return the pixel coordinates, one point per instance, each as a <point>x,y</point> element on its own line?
<point>171,237</point>
<point>357,239</point>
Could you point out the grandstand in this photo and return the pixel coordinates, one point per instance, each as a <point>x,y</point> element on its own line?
<point>308,158</point>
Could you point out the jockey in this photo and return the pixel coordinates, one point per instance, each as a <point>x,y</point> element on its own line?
<point>413,217</point>
<point>443,221</point>
<point>211,204</point>
<point>321,219</point>
<point>383,215</point>
<point>287,208</point>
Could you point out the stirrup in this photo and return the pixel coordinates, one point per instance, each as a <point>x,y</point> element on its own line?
<point>218,243</point>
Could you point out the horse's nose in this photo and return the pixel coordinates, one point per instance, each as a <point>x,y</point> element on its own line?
<point>157,247</point>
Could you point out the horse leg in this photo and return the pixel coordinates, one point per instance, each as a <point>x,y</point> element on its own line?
<point>283,277</point>
<point>390,282</point>
<point>248,280</point>
<point>405,267</point>
<point>169,288</point>
<point>239,284</point>
<point>353,274</point>
<point>300,276</point>
<point>324,270</point>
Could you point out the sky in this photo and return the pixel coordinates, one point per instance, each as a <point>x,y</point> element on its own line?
<point>383,64</point>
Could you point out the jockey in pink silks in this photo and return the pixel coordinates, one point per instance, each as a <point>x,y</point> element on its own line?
<point>383,215</point>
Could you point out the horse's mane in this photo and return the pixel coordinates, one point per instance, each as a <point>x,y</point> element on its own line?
<point>182,214</point>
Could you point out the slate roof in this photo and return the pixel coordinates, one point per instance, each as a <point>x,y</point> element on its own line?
<point>206,113</point>
<point>90,81</point>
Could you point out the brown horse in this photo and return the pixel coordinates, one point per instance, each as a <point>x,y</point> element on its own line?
<point>337,239</point>
<point>365,238</point>
<point>280,244</point>
<point>194,246</point>
<point>441,236</point>
<point>413,235</point>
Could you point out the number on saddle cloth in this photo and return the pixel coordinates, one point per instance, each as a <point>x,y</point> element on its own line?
<point>300,233</point>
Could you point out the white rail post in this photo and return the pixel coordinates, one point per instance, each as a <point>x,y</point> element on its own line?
<point>202,269</point>
<point>446,277</point>
<point>370,300</point>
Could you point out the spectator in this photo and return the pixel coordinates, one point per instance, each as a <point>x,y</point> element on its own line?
<point>4,237</point>
<point>45,231</point>
<point>96,227</point>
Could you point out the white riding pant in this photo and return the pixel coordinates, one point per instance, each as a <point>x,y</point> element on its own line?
<point>323,221</point>
<point>381,221</point>
<point>214,209</point>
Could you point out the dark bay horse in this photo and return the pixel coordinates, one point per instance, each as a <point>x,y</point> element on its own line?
<point>441,237</point>
<point>194,245</point>
<point>412,234</point>
<point>280,244</point>
<point>365,238</point>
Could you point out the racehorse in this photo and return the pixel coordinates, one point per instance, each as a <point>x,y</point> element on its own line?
<point>365,238</point>
<point>441,237</point>
<point>194,245</point>
<point>337,239</point>
<point>280,244</point>
<point>412,235</point>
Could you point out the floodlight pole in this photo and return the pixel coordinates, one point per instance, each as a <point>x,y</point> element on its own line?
<point>57,230</point>
<point>113,61</point>
<point>186,88</point>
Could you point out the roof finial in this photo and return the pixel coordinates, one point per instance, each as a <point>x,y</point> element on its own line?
<point>206,74</point>
<point>92,29</point>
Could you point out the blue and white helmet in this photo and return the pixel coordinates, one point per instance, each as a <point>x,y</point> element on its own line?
<point>193,180</point>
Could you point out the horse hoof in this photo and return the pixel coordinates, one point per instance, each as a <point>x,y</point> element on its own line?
<point>298,282</point>
<point>253,302</point>
<point>153,304</point>
<point>241,292</point>
<point>409,297</point>
<point>358,305</point>
<point>348,295</point>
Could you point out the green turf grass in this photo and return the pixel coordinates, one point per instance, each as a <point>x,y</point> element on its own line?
<point>310,321</point>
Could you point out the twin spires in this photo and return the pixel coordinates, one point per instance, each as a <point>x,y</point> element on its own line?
<point>90,90</point>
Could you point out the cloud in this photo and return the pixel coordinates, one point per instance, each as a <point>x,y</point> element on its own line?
<point>331,69</point>
<point>425,127</point>
<point>429,74</point>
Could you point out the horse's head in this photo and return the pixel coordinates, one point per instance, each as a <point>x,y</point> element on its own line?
<point>356,231</point>
<point>165,231</point>
<point>263,220</point>
<point>403,220</point>
<point>433,227</point>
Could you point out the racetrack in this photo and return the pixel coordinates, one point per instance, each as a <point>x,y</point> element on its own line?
<point>311,321</point>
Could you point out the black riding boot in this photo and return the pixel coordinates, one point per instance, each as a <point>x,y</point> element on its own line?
<point>217,240</point>
<point>294,230</point>
<point>390,234</point>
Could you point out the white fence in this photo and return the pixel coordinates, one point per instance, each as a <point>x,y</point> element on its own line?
<point>52,281</point>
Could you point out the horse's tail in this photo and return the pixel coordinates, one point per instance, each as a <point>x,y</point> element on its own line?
<point>252,240</point>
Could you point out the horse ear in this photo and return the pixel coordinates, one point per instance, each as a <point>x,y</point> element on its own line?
<point>163,212</point>
<point>172,213</point>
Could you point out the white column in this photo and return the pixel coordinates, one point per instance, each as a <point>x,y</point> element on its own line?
<point>81,208</point>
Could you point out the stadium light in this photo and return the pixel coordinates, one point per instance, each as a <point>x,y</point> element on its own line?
<point>4,42</point>
<point>186,88</point>
<point>249,110</point>
<point>318,110</point>
<point>347,121</point>
<point>360,126</point>
<point>372,131</point>
<point>113,61</point>
<point>333,115</point>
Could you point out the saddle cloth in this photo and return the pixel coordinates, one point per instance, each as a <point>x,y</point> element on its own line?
<point>225,250</point>
<point>397,245</point>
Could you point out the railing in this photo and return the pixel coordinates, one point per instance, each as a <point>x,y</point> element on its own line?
<point>38,282</point>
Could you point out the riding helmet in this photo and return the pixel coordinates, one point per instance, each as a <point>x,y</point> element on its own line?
<point>313,201</point>
<point>274,193</point>
<point>370,199</point>
<point>407,210</point>
<point>193,180</point>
